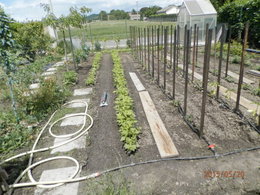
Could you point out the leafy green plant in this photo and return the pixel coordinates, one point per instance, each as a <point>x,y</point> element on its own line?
<point>213,88</point>
<point>229,79</point>
<point>47,98</point>
<point>97,46</point>
<point>95,67</point>
<point>236,59</point>
<point>70,78</point>
<point>124,107</point>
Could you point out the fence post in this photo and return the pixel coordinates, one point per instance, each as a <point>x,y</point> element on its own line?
<point>194,49</point>
<point>228,51</point>
<point>153,52</point>
<point>165,57</point>
<point>184,50</point>
<point>149,49</point>
<point>174,64</point>
<point>241,74</point>
<point>171,46</point>
<point>220,59</point>
<point>205,79</point>
<point>158,55</point>
<point>186,71</point>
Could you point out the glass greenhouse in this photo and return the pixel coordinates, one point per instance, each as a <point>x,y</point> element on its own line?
<point>200,12</point>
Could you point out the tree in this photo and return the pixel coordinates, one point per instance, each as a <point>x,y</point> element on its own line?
<point>149,11</point>
<point>30,36</point>
<point>237,13</point>
<point>119,15</point>
<point>103,15</point>
<point>133,11</point>
<point>7,44</point>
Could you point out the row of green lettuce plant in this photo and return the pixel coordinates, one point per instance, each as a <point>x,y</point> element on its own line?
<point>124,107</point>
<point>91,80</point>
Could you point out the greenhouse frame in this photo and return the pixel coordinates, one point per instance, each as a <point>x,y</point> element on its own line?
<point>199,12</point>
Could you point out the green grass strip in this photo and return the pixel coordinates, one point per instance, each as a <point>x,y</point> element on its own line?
<point>91,80</point>
<point>124,107</point>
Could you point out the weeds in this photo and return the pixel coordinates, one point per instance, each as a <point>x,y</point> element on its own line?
<point>70,78</point>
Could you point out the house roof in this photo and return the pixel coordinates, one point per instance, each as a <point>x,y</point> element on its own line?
<point>199,7</point>
<point>164,10</point>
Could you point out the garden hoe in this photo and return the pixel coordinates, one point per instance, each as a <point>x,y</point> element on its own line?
<point>104,100</point>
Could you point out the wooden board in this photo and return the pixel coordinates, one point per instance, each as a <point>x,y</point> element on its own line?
<point>163,140</point>
<point>139,86</point>
<point>249,105</point>
<point>236,76</point>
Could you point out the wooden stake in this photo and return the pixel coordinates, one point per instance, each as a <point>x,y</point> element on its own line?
<point>228,51</point>
<point>205,79</point>
<point>220,59</point>
<point>187,52</point>
<point>241,74</point>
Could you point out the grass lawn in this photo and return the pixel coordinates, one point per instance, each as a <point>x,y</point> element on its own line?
<point>111,30</point>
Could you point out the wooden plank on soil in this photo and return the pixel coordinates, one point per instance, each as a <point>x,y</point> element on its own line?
<point>139,86</point>
<point>236,76</point>
<point>249,105</point>
<point>163,140</point>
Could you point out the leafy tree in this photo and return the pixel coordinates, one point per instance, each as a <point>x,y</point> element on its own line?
<point>103,15</point>
<point>133,11</point>
<point>237,13</point>
<point>119,15</point>
<point>149,11</point>
<point>7,44</point>
<point>32,39</point>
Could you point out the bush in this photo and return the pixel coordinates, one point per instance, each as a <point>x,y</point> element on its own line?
<point>237,13</point>
<point>129,43</point>
<point>97,46</point>
<point>60,47</point>
<point>47,98</point>
<point>70,78</point>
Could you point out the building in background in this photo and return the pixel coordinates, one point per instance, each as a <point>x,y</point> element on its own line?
<point>171,9</point>
<point>134,16</point>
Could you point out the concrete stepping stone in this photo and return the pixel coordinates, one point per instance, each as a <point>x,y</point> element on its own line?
<point>58,174</point>
<point>76,144</point>
<point>34,86</point>
<point>48,73</point>
<point>75,120</point>
<point>51,70</point>
<point>78,104</point>
<point>59,64</point>
<point>84,91</point>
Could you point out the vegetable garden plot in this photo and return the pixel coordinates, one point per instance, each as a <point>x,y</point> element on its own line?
<point>168,76</point>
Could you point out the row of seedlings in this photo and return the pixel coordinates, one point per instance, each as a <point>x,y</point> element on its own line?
<point>126,118</point>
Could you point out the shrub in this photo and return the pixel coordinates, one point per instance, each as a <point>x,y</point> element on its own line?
<point>97,46</point>
<point>60,47</point>
<point>70,78</point>
<point>236,13</point>
<point>129,43</point>
<point>47,98</point>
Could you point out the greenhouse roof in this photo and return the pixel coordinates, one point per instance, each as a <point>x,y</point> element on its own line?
<point>199,7</point>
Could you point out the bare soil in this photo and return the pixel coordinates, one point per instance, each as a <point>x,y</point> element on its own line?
<point>104,149</point>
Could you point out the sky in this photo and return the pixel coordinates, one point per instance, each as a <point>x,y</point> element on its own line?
<point>22,10</point>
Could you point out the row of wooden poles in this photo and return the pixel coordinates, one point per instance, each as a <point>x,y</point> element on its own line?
<point>151,44</point>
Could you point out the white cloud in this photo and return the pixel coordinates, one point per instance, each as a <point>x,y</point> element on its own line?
<point>31,10</point>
